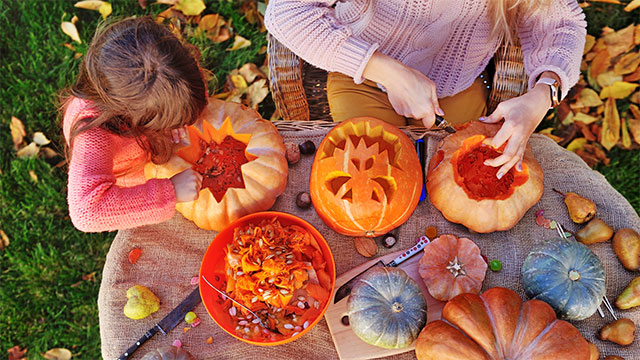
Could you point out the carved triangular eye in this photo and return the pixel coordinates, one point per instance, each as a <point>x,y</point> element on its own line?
<point>334,184</point>
<point>369,163</point>
<point>374,196</point>
<point>348,196</point>
<point>388,185</point>
<point>356,162</point>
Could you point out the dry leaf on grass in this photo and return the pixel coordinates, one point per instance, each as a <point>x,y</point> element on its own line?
<point>608,78</point>
<point>618,90</point>
<point>257,92</point>
<point>627,64</point>
<point>30,150</point>
<point>239,43</point>
<point>584,118</point>
<point>635,98</point>
<point>626,139</point>
<point>620,41</point>
<point>547,133</point>
<point>250,72</point>
<point>97,5</point>
<point>588,44</point>
<point>632,5</point>
<point>33,176</point>
<point>599,64</point>
<point>17,132</point>
<point>71,31</point>
<point>190,7</point>
<point>607,1</point>
<point>610,133</point>
<point>40,139</point>
<point>4,242</point>
<point>634,123</point>
<point>588,97</point>
<point>57,354</point>
<point>576,144</point>
<point>633,77</point>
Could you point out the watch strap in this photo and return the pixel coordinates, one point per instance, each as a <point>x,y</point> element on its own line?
<point>554,90</point>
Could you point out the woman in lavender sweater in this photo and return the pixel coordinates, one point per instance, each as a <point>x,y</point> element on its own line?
<point>429,55</point>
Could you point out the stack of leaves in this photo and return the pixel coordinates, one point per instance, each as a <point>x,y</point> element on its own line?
<point>601,111</point>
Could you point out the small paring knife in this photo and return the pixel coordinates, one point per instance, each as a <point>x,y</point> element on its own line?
<point>344,290</point>
<point>441,123</point>
<point>167,323</point>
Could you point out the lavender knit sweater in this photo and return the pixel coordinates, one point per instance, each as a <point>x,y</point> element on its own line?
<point>447,40</point>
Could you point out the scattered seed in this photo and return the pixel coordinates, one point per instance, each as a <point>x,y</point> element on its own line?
<point>232,311</point>
<point>288,326</point>
<point>301,298</point>
<point>255,298</point>
<point>289,262</point>
<point>243,323</point>
<point>316,304</point>
<point>305,325</point>
<point>300,305</point>
<point>256,321</point>
<point>289,256</point>
<point>239,273</point>
<point>294,334</point>
<point>246,330</point>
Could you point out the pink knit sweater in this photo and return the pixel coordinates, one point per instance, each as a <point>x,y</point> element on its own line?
<point>107,189</point>
<point>447,40</point>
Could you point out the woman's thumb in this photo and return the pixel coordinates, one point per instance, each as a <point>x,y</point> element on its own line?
<point>493,118</point>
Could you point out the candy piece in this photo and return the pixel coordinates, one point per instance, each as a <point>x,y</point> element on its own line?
<point>177,343</point>
<point>389,240</point>
<point>540,212</point>
<point>194,280</point>
<point>209,340</point>
<point>186,329</point>
<point>196,322</point>
<point>553,224</point>
<point>431,232</point>
<point>190,317</point>
<point>495,265</point>
<point>134,254</point>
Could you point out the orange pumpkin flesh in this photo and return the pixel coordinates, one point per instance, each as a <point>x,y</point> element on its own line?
<point>366,178</point>
<point>498,325</point>
<point>467,192</point>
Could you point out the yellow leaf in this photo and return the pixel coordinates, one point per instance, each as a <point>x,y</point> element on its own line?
<point>239,82</point>
<point>584,118</point>
<point>588,45</point>
<point>71,30</point>
<point>588,97</point>
<point>627,64</point>
<point>33,176</point>
<point>190,7</point>
<point>626,139</point>
<point>599,64</point>
<point>239,43</point>
<point>608,1</point>
<point>636,37</point>
<point>635,111</point>
<point>17,132</point>
<point>57,354</point>
<point>608,78</point>
<point>89,4</point>
<point>4,241</point>
<point>546,132</point>
<point>30,150</point>
<point>619,90</point>
<point>610,132</point>
<point>167,2</point>
<point>635,98</point>
<point>620,41</point>
<point>257,92</point>
<point>40,139</point>
<point>576,144</point>
<point>568,120</point>
<point>250,71</point>
<point>74,19</point>
<point>632,5</point>
<point>105,10</point>
<point>634,123</point>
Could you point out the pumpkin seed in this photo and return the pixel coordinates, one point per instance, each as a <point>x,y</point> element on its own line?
<point>284,292</point>
<point>288,326</point>
<point>297,328</point>
<point>300,305</point>
<point>256,321</point>
<point>301,298</point>
<point>305,325</point>
<point>289,262</point>
<point>294,334</point>
<point>232,311</point>
<point>243,323</point>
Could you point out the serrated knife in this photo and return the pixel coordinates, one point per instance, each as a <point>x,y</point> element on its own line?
<point>167,323</point>
<point>344,290</point>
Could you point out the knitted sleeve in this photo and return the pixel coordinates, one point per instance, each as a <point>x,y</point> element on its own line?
<point>96,203</point>
<point>310,29</point>
<point>553,40</point>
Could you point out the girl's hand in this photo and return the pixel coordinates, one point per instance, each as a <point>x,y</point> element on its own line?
<point>410,92</point>
<point>186,185</point>
<point>521,117</point>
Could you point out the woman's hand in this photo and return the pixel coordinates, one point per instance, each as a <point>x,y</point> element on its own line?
<point>186,185</point>
<point>521,117</point>
<point>411,93</point>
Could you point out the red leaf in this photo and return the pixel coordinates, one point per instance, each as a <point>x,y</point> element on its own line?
<point>15,353</point>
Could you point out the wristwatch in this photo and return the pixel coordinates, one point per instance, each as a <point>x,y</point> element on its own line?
<point>554,90</point>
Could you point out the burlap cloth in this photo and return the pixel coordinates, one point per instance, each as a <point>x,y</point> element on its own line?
<point>172,251</point>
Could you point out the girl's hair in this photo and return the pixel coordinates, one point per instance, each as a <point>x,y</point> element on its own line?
<point>143,81</point>
<point>504,15</point>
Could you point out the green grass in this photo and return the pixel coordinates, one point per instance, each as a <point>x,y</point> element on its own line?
<point>39,307</point>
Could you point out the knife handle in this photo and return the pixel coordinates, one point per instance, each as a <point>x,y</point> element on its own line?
<point>138,343</point>
<point>422,242</point>
<point>422,157</point>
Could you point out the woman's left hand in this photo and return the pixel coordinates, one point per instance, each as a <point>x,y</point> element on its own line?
<point>521,117</point>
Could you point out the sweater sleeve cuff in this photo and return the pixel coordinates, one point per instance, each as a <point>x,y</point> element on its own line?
<point>565,84</point>
<point>353,58</point>
<point>168,201</point>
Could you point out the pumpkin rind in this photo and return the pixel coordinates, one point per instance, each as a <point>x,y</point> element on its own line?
<point>438,274</point>
<point>366,178</point>
<point>498,325</point>
<point>486,215</point>
<point>547,273</point>
<point>387,308</point>
<point>265,175</point>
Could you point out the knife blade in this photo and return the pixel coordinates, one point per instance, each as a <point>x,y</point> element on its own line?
<point>421,155</point>
<point>345,289</point>
<point>443,124</point>
<point>168,322</point>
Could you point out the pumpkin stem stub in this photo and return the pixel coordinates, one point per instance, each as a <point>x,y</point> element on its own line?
<point>396,307</point>
<point>456,268</point>
<point>574,275</point>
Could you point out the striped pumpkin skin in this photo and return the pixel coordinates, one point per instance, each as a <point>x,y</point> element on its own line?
<point>366,178</point>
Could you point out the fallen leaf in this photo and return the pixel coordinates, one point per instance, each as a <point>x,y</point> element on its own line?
<point>635,111</point>
<point>634,128</point>
<point>142,3</point>
<point>588,97</point>
<point>598,152</point>
<point>33,176</point>
<point>584,118</point>
<point>250,11</point>
<point>17,132</point>
<point>30,150</point>
<point>584,4</point>
<point>4,242</point>
<point>620,41</point>
<point>97,5</point>
<point>209,340</point>
<point>262,50</point>
<point>239,43</point>
<point>211,24</point>
<point>618,90</point>
<point>250,72</point>
<point>576,144</point>
<point>71,30</point>
<point>48,152</point>
<point>238,82</point>
<point>77,56</point>
<point>190,7</point>
<point>257,92</point>
<point>167,2</point>
<point>608,1</point>
<point>627,64</point>
<point>69,46</point>
<point>105,10</point>
<point>57,354</point>
<point>633,77</point>
<point>568,120</point>
<point>40,139</point>
<point>599,64</point>
<point>626,139</point>
<point>74,19</point>
<point>632,5</point>
<point>635,98</point>
<point>636,37</point>
<point>589,42</point>
<point>585,130</point>
<point>15,353</point>
<point>608,78</point>
<point>610,133</point>
<point>224,35</point>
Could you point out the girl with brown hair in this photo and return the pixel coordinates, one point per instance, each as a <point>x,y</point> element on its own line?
<point>405,61</point>
<point>138,87</point>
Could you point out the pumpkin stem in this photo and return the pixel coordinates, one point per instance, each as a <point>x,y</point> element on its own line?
<point>456,268</point>
<point>574,275</point>
<point>396,307</point>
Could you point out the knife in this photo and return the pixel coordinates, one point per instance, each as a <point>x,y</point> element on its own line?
<point>443,124</point>
<point>167,323</point>
<point>345,289</point>
<point>422,157</point>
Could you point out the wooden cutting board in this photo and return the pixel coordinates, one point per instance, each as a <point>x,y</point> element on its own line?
<point>348,345</point>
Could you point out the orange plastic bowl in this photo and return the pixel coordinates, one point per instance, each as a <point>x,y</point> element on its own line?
<point>212,268</point>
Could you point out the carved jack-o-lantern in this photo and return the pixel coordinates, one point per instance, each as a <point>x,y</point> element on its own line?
<point>366,178</point>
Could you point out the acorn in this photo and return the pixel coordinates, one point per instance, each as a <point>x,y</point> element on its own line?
<point>307,147</point>
<point>388,240</point>
<point>293,153</point>
<point>303,200</point>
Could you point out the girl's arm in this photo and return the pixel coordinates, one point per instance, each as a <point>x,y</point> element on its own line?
<point>96,203</point>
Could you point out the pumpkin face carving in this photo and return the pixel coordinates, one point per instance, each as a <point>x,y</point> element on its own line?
<point>365,178</point>
<point>242,161</point>
<point>468,192</point>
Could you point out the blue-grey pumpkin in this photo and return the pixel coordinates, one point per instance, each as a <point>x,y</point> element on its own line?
<point>387,308</point>
<point>566,275</point>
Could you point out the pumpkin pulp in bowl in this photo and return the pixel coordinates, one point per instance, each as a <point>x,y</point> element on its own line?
<point>275,264</point>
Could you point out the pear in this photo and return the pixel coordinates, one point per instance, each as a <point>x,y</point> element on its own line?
<point>594,232</point>
<point>630,296</point>
<point>580,208</point>
<point>620,331</point>
<point>626,244</point>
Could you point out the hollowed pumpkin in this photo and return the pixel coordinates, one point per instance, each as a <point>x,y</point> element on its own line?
<point>241,158</point>
<point>467,192</point>
<point>497,325</point>
<point>366,178</point>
